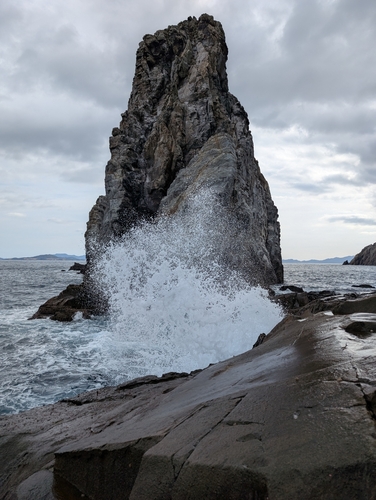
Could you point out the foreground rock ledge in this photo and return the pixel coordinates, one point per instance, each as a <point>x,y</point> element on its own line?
<point>292,419</point>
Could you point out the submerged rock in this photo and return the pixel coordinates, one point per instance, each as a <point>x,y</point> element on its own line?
<point>293,418</point>
<point>184,131</point>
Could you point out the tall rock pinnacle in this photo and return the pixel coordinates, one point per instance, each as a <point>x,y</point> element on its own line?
<point>183,129</point>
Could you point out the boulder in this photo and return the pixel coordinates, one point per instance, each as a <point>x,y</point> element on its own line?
<point>183,132</point>
<point>293,418</point>
<point>299,302</point>
<point>360,305</point>
<point>78,267</point>
<point>66,305</point>
<point>292,288</point>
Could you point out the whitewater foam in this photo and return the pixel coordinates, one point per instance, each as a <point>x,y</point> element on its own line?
<point>173,303</point>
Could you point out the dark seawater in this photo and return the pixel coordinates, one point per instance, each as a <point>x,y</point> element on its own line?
<point>42,360</point>
<point>171,318</point>
<point>335,277</point>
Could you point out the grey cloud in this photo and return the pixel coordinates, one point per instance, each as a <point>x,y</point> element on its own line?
<point>58,59</point>
<point>16,214</point>
<point>338,117</point>
<point>60,221</point>
<point>329,41</point>
<point>352,219</point>
<point>84,174</point>
<point>367,148</point>
<point>312,188</point>
<point>10,16</point>
<point>324,55</point>
<point>10,200</point>
<point>343,180</point>
<point>326,185</point>
<point>79,134</point>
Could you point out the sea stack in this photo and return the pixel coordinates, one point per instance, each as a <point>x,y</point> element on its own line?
<point>184,131</point>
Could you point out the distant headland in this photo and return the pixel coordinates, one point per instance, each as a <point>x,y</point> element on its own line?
<point>55,256</point>
<point>333,260</point>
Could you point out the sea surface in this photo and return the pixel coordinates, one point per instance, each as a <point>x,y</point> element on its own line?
<point>335,277</point>
<point>164,317</point>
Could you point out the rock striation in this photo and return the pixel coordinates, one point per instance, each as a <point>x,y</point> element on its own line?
<point>367,257</point>
<point>184,131</point>
<point>293,418</point>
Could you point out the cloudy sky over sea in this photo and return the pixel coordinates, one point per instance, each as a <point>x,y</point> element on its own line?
<point>304,70</point>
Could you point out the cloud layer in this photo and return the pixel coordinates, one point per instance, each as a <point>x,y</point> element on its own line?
<point>303,69</point>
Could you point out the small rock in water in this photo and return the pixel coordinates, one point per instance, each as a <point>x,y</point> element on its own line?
<point>78,267</point>
<point>292,288</point>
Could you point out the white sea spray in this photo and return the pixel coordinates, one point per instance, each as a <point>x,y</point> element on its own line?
<point>174,305</point>
<point>42,361</point>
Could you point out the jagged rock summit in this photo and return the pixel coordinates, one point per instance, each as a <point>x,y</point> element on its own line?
<point>184,131</point>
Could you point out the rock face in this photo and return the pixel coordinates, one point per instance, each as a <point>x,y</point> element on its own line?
<point>183,131</point>
<point>367,257</point>
<point>66,305</point>
<point>293,418</point>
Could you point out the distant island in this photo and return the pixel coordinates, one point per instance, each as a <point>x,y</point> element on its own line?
<point>55,256</point>
<point>65,256</point>
<point>333,260</point>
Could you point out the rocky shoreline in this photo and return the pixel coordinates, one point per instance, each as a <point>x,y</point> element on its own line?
<point>294,300</point>
<point>292,418</point>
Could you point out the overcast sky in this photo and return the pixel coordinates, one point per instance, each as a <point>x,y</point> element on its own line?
<point>304,70</point>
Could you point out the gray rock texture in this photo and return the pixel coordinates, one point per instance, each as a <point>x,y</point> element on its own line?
<point>65,306</point>
<point>294,418</point>
<point>183,131</point>
<point>367,257</point>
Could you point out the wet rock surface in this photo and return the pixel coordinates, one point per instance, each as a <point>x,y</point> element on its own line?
<point>301,303</point>
<point>293,418</point>
<point>66,305</point>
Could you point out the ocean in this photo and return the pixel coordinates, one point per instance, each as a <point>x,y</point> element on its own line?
<point>166,318</point>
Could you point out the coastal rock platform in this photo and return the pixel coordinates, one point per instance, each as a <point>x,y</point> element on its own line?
<point>293,418</point>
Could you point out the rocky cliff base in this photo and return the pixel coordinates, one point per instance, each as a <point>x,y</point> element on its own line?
<point>293,418</point>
